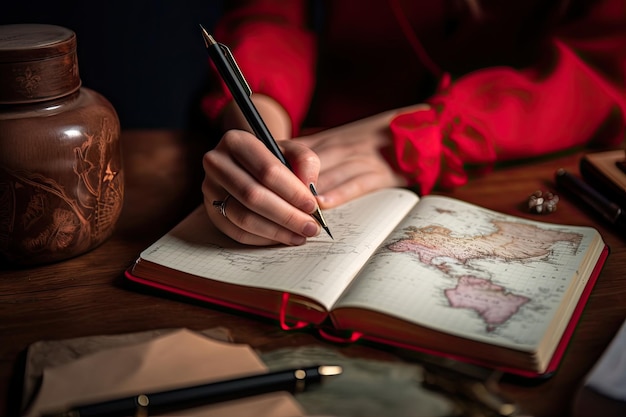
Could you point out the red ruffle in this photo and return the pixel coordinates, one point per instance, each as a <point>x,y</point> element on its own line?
<point>500,114</point>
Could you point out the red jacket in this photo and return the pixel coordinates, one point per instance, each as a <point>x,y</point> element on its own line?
<point>506,80</point>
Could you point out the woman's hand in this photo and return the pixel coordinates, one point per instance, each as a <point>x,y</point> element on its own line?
<point>265,202</point>
<point>355,158</point>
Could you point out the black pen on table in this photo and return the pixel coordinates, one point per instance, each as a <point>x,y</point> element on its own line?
<point>239,88</point>
<point>593,198</point>
<point>292,380</point>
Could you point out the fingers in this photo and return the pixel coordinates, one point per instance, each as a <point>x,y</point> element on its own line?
<point>253,175</point>
<point>248,227</point>
<point>353,160</point>
<point>355,178</point>
<point>268,203</point>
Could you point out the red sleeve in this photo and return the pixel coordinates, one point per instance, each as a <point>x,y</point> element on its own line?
<point>499,114</point>
<point>275,51</point>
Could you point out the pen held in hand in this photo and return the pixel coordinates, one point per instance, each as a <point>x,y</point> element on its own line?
<point>239,88</point>
<point>591,197</point>
<point>292,380</point>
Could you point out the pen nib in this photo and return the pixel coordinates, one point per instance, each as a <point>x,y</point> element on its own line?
<point>318,214</point>
<point>320,219</point>
<point>208,39</point>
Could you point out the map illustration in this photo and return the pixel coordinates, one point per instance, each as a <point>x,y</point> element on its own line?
<point>476,273</point>
<point>509,241</point>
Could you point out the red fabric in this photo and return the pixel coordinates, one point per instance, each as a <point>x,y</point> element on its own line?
<point>276,55</point>
<point>482,115</point>
<point>499,114</point>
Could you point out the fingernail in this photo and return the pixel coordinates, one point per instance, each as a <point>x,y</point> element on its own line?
<point>310,206</point>
<point>310,229</point>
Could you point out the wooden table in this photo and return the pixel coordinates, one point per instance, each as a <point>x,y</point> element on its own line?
<point>87,296</point>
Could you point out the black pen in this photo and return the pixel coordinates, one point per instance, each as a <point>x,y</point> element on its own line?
<point>292,380</point>
<point>590,196</point>
<point>239,88</point>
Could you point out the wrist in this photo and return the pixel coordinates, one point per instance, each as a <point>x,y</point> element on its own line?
<point>273,114</point>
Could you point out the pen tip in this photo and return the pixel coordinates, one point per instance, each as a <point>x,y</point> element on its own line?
<point>317,215</point>
<point>208,39</point>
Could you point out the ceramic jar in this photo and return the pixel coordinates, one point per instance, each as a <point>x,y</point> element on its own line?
<point>61,180</point>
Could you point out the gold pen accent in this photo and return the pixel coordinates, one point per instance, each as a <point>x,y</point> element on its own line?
<point>320,373</point>
<point>330,370</point>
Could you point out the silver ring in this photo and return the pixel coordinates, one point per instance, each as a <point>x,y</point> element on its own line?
<point>220,205</point>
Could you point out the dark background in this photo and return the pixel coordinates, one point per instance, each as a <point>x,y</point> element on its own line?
<point>147,57</point>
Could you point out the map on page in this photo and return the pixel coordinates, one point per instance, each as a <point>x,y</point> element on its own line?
<point>472,269</point>
<point>514,242</point>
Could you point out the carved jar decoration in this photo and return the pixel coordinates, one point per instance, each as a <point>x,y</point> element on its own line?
<point>61,182</point>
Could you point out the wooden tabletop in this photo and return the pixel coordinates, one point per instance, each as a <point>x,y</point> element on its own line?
<point>87,295</point>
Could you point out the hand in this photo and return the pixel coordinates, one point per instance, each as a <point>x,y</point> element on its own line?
<point>268,204</point>
<point>353,158</point>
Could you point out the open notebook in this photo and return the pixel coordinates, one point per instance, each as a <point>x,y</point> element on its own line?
<point>434,274</point>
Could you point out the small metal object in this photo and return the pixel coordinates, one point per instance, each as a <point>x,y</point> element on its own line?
<point>142,405</point>
<point>220,205</point>
<point>542,203</point>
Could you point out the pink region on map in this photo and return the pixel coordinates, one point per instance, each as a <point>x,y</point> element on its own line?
<point>489,300</point>
<point>509,241</point>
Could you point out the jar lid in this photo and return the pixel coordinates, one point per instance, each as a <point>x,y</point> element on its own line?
<point>37,62</point>
<point>27,42</point>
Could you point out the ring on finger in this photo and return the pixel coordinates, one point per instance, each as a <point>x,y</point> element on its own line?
<point>220,205</point>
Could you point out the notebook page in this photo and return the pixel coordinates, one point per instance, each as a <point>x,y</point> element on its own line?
<point>476,273</point>
<point>320,269</point>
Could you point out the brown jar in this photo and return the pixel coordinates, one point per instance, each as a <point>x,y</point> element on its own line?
<point>61,180</point>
